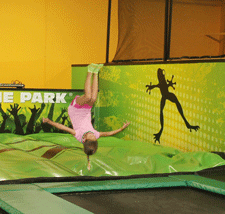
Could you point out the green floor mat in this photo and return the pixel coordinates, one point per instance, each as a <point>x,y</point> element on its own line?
<point>140,183</point>
<point>61,155</point>
<point>36,202</point>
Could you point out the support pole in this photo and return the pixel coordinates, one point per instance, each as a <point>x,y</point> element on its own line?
<point>108,31</point>
<point>167,32</point>
<point>169,28</point>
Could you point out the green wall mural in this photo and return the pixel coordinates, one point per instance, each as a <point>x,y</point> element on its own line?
<point>164,85</point>
<point>199,89</point>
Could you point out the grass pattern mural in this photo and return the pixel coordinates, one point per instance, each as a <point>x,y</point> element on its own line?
<point>21,112</point>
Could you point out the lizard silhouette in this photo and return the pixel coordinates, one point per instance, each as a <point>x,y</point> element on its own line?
<point>164,85</point>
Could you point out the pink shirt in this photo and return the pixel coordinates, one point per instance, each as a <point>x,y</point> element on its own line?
<point>80,117</point>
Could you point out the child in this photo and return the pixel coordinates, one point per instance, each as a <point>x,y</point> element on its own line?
<point>80,115</point>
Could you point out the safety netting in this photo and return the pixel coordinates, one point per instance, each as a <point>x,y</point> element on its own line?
<point>159,29</point>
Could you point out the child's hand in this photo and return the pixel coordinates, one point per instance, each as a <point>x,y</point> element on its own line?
<point>125,125</point>
<point>45,120</point>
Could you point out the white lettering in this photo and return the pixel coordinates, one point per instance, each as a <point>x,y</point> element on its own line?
<point>60,98</point>
<point>48,97</point>
<point>37,98</point>
<point>25,96</point>
<point>8,97</point>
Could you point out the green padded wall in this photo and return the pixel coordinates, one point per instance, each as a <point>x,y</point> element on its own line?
<point>199,89</point>
<point>78,77</point>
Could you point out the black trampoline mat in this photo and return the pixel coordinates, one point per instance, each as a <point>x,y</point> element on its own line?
<point>3,211</point>
<point>216,173</point>
<point>160,200</point>
<point>216,177</point>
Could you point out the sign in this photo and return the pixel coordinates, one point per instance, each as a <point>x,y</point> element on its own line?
<point>21,111</point>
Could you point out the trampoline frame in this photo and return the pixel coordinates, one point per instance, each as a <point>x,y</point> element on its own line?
<point>37,194</point>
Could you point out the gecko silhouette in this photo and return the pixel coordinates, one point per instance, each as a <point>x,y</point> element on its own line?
<point>163,85</point>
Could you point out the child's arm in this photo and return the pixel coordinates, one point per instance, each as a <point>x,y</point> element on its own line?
<point>59,126</point>
<point>106,134</point>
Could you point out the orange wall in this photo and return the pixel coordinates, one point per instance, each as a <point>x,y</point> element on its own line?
<point>195,29</point>
<point>40,39</point>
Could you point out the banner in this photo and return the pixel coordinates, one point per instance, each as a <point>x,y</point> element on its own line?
<point>21,111</point>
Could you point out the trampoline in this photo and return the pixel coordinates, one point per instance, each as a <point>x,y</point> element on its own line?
<point>191,192</point>
<point>166,200</point>
<point>178,193</point>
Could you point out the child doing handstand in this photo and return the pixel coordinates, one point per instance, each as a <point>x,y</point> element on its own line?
<point>80,115</point>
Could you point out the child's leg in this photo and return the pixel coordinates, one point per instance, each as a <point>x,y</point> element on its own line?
<point>86,98</point>
<point>94,92</point>
<point>91,93</point>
